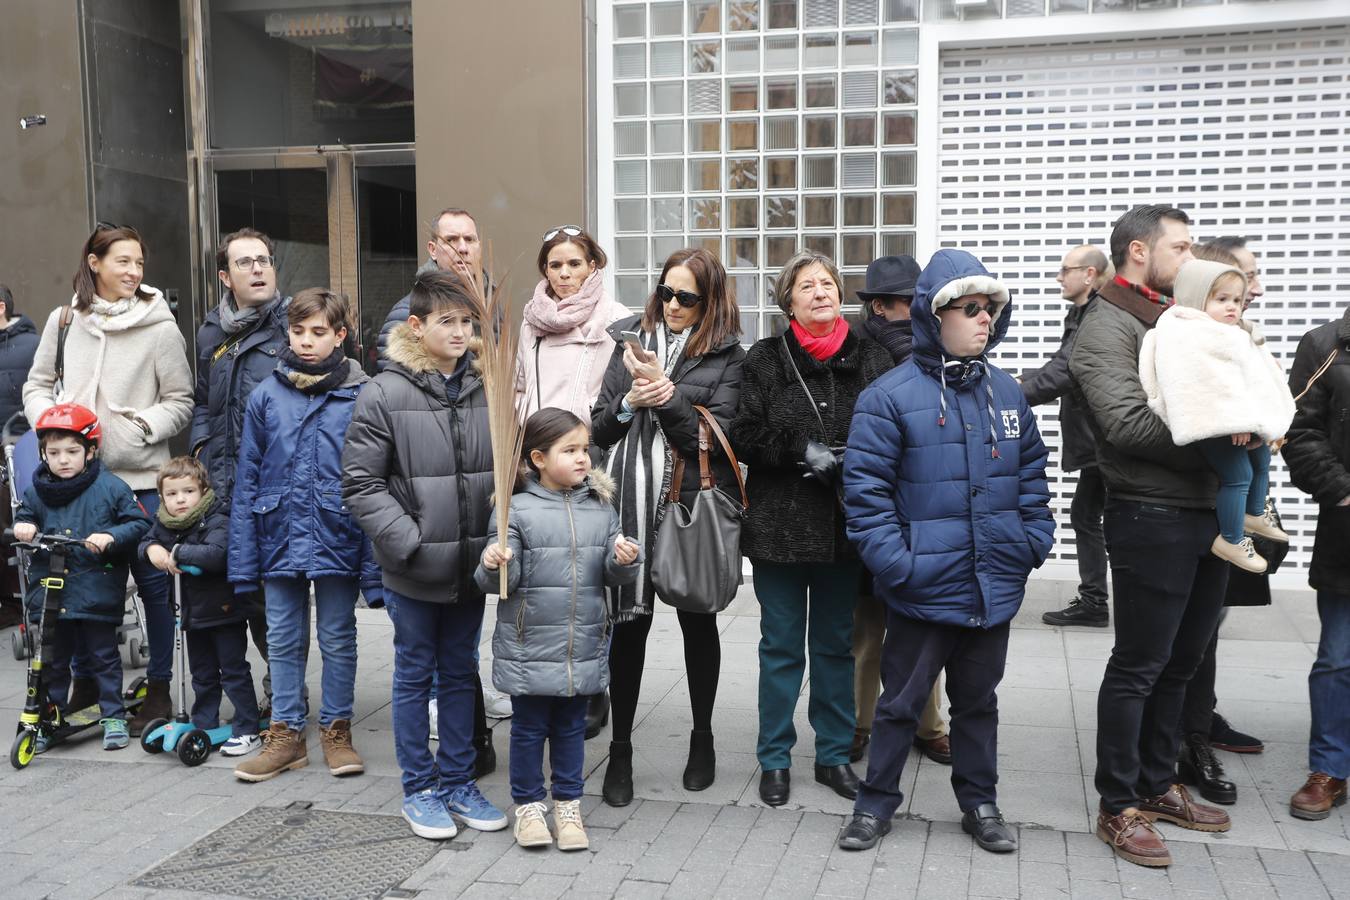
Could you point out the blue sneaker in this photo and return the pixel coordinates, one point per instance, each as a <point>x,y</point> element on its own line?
<point>426,814</point>
<point>468,804</point>
<point>115,735</point>
<point>42,742</point>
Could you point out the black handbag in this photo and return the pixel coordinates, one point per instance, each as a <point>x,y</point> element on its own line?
<point>696,557</point>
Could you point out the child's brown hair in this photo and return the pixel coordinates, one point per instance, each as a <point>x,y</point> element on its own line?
<point>183,467</point>
<point>330,304</point>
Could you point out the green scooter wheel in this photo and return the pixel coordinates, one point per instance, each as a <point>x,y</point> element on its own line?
<point>25,747</point>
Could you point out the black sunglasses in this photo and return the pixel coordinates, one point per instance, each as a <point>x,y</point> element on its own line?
<point>569,230</point>
<point>665,293</point>
<point>973,309</point>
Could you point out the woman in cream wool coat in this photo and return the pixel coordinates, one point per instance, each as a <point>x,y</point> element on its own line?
<point>1210,376</point>
<point>125,359</point>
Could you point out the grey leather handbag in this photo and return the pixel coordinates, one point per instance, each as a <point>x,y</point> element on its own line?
<point>696,558</point>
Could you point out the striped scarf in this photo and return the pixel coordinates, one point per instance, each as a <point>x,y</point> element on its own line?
<point>965,370</point>
<point>640,465</point>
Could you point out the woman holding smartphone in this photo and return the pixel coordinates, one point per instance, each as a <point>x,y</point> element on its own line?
<point>684,350</point>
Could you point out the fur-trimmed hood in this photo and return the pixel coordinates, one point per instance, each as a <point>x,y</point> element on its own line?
<point>598,483</point>
<point>949,276</point>
<point>407,350</point>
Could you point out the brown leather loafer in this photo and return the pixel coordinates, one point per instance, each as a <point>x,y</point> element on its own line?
<point>1317,796</point>
<point>1177,807</point>
<point>861,738</point>
<point>1133,838</point>
<point>938,749</point>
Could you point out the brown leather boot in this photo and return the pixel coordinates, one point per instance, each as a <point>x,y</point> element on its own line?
<point>338,751</point>
<point>156,705</point>
<point>861,738</point>
<point>938,749</point>
<point>1177,807</point>
<point>283,748</point>
<point>1317,796</point>
<point>1133,838</point>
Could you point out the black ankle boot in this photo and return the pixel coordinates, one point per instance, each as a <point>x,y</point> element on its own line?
<point>701,769</point>
<point>1200,768</point>
<point>618,786</point>
<point>597,713</point>
<point>485,763</point>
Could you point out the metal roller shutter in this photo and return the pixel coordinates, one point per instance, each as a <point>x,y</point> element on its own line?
<point>1042,147</point>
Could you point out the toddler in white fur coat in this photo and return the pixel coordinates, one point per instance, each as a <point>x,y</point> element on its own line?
<point>1211,378</point>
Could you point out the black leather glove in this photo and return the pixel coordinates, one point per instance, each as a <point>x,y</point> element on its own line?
<point>820,463</point>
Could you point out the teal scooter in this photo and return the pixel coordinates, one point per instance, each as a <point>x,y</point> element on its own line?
<point>192,744</point>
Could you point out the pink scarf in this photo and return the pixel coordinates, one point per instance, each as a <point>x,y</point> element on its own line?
<point>548,315</point>
<point>821,348</point>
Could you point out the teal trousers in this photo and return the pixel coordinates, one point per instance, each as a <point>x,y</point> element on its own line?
<point>805,609</point>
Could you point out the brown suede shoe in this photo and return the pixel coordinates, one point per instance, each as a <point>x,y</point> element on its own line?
<point>283,748</point>
<point>861,738</point>
<point>938,749</point>
<point>338,751</point>
<point>1317,796</point>
<point>1177,807</point>
<point>1133,838</point>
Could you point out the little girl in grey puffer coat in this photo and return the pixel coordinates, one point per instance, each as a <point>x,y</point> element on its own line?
<point>552,636</point>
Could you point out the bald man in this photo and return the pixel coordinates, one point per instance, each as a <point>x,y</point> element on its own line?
<point>1082,271</point>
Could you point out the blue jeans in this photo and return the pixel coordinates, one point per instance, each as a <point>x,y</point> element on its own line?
<point>434,641</point>
<point>1244,479</point>
<point>1329,689</point>
<point>562,722</point>
<point>789,624</point>
<point>288,635</point>
<point>97,641</point>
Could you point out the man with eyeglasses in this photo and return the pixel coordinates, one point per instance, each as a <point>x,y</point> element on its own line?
<point>237,347</point>
<point>1080,274</point>
<point>454,246</point>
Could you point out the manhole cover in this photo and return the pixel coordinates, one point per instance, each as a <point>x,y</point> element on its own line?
<point>285,852</point>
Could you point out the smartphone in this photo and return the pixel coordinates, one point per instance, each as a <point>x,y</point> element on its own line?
<point>634,340</point>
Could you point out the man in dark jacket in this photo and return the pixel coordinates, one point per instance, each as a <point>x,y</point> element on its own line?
<point>1318,454</point>
<point>237,348</point>
<point>1079,275</point>
<point>18,343</point>
<point>454,246</point>
<point>947,503</point>
<point>1159,524</point>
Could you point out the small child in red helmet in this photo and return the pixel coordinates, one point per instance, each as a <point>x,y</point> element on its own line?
<point>74,496</point>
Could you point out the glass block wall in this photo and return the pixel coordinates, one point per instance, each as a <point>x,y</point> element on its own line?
<point>755,127</point>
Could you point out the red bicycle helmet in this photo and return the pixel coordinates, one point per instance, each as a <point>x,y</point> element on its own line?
<point>71,417</point>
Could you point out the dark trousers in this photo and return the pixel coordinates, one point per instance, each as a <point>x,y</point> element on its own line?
<point>628,657</point>
<point>1197,711</point>
<point>1085,517</point>
<point>562,722</point>
<point>914,654</point>
<point>1169,589</point>
<point>97,644</point>
<point>219,663</point>
<point>434,641</point>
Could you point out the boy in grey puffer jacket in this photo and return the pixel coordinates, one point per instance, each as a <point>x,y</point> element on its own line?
<point>550,650</point>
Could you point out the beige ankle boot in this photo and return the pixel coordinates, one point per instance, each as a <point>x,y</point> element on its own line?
<point>283,748</point>
<point>338,751</point>
<point>567,822</point>
<point>1243,554</point>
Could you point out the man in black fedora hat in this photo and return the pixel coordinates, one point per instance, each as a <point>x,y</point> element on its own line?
<point>889,290</point>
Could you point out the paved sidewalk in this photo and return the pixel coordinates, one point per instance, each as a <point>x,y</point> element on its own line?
<point>81,822</point>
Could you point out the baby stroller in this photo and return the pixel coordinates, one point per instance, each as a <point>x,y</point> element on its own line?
<point>21,461</point>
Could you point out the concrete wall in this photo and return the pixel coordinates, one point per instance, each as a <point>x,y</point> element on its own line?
<point>44,195</point>
<point>501,119</point>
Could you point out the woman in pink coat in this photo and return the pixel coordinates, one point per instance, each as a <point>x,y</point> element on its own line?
<point>564,346</point>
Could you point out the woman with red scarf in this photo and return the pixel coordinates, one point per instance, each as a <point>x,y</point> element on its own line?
<point>797,400</point>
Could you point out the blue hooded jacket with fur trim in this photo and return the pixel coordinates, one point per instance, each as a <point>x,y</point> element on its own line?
<point>944,478</point>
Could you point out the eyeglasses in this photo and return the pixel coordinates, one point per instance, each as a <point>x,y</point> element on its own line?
<point>569,230</point>
<point>246,263</point>
<point>106,226</point>
<point>665,293</point>
<point>1065,270</point>
<point>973,309</point>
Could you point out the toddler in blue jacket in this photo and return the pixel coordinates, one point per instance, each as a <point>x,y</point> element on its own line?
<point>290,530</point>
<point>74,496</point>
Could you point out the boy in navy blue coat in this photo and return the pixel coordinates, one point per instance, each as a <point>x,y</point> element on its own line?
<point>192,528</point>
<point>289,529</point>
<point>947,502</point>
<point>74,496</point>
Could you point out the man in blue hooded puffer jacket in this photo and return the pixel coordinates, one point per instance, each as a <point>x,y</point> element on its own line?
<point>947,502</point>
